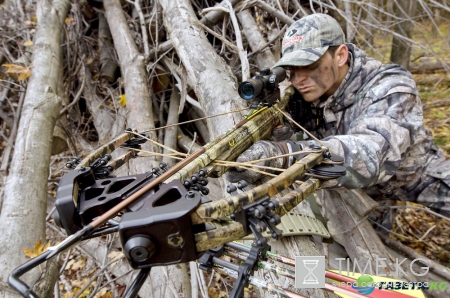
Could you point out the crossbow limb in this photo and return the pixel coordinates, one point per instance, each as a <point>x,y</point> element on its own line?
<point>163,219</point>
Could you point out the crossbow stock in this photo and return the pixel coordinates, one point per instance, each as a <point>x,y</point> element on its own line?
<point>165,216</point>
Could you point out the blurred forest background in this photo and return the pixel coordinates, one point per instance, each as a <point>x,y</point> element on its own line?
<point>74,74</point>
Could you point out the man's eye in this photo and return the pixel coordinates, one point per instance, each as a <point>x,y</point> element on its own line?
<point>313,66</point>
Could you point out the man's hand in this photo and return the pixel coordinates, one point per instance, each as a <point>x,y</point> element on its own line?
<point>259,150</point>
<point>282,133</point>
<point>270,154</point>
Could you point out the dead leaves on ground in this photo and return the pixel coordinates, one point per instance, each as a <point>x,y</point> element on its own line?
<point>15,72</point>
<point>424,232</point>
<point>77,275</point>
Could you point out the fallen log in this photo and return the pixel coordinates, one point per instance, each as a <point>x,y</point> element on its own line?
<point>428,67</point>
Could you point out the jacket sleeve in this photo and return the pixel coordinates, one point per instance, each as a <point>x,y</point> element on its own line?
<point>378,139</point>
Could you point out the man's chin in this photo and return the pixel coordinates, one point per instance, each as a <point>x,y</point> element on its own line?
<point>309,97</point>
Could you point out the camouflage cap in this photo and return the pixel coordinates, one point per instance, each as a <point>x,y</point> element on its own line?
<point>308,38</point>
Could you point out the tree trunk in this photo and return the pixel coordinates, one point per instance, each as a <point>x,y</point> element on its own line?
<point>350,27</point>
<point>108,66</point>
<point>354,232</point>
<point>170,133</point>
<point>371,19</point>
<point>401,48</point>
<point>139,103</point>
<point>255,39</point>
<point>22,219</point>
<point>214,82</point>
<point>103,121</point>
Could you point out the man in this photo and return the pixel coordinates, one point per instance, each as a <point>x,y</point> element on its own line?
<point>367,112</point>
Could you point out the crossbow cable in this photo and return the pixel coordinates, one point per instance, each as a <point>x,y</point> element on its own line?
<point>162,221</point>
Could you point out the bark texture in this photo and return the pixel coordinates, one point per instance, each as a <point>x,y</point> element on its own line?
<point>401,48</point>
<point>214,83</point>
<point>139,104</point>
<point>255,39</point>
<point>355,233</point>
<point>22,219</point>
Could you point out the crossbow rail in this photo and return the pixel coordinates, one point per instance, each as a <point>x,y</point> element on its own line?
<point>164,223</point>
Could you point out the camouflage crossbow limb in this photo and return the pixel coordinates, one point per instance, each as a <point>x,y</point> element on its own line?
<point>162,223</point>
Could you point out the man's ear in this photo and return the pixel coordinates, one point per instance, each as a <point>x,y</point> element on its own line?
<point>342,54</point>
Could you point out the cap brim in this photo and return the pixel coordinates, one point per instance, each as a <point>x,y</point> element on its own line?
<point>301,57</point>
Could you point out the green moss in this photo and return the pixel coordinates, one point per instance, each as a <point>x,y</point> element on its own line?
<point>440,141</point>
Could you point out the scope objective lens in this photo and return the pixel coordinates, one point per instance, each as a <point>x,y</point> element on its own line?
<point>246,90</point>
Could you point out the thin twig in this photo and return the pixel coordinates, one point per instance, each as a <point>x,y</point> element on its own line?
<point>12,135</point>
<point>416,207</point>
<point>5,91</point>
<point>137,6</point>
<point>242,53</point>
<point>411,253</point>
<point>193,142</point>
<point>97,273</point>
<point>194,279</point>
<point>218,36</point>
<point>426,233</point>
<point>270,42</point>
<point>78,95</point>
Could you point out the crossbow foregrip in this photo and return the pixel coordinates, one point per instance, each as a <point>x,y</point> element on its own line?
<point>229,146</point>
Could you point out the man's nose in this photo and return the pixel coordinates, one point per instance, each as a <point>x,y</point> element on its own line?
<point>298,76</point>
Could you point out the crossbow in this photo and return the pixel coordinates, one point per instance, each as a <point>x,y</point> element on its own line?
<point>165,214</point>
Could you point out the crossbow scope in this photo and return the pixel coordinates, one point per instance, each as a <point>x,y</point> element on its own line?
<point>264,86</point>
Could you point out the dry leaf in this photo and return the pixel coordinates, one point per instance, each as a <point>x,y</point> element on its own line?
<point>123,100</point>
<point>213,292</point>
<point>76,264</point>
<point>70,21</point>
<point>82,295</point>
<point>69,264</point>
<point>103,293</point>
<point>115,254</point>
<point>38,249</point>
<point>77,283</point>
<point>17,72</point>
<point>28,43</point>
<point>79,264</point>
<point>32,23</point>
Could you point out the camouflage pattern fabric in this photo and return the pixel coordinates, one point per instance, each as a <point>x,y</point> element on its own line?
<point>259,150</point>
<point>375,121</point>
<point>307,39</point>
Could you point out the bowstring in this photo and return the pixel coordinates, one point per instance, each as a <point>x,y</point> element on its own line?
<point>174,152</point>
<point>249,165</point>
<point>303,129</point>
<point>160,145</point>
<point>198,119</point>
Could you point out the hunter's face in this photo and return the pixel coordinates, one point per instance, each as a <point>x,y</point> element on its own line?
<point>323,77</point>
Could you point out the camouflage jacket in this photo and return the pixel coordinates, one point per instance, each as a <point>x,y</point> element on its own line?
<point>375,122</point>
